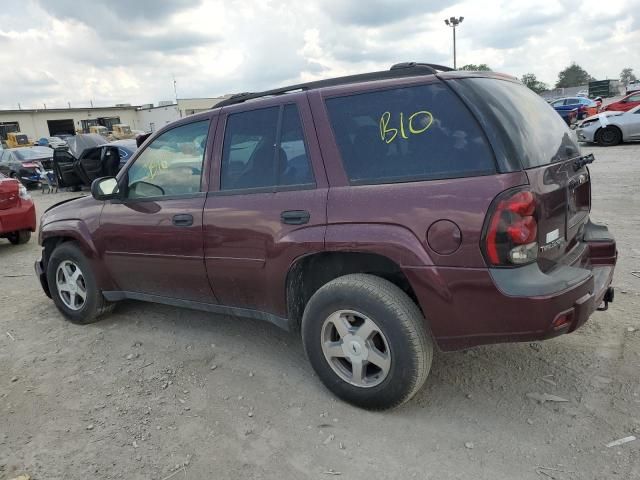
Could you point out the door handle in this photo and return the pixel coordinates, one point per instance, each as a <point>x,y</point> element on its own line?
<point>295,217</point>
<point>183,220</point>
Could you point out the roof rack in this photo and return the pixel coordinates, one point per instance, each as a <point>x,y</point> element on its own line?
<point>399,70</point>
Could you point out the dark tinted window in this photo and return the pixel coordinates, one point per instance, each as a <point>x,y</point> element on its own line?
<point>253,155</point>
<point>572,101</point>
<point>171,164</point>
<point>408,134</point>
<point>519,120</point>
<point>295,167</point>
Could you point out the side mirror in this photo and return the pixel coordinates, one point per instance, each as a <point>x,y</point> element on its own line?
<point>105,188</point>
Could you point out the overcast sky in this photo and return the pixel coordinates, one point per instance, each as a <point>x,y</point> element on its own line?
<point>117,51</point>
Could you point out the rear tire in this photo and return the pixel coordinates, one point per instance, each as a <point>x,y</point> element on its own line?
<point>609,136</point>
<point>73,286</point>
<point>19,238</point>
<point>367,341</point>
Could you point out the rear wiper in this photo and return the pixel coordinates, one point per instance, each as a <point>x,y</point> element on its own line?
<point>580,162</point>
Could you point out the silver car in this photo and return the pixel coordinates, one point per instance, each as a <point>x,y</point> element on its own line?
<point>610,128</point>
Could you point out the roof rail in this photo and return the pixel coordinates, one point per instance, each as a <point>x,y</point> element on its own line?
<point>399,70</point>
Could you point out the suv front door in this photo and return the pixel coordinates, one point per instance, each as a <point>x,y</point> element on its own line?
<point>152,237</point>
<point>267,204</point>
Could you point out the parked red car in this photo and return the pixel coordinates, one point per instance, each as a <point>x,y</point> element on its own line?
<point>17,211</point>
<point>627,103</point>
<point>380,215</point>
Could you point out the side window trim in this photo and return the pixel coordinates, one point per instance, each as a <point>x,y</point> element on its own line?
<point>123,175</point>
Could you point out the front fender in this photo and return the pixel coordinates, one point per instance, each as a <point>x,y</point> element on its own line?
<point>72,229</point>
<point>78,231</point>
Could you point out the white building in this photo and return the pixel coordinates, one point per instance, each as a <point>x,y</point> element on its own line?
<point>38,123</point>
<point>152,118</point>
<point>189,106</point>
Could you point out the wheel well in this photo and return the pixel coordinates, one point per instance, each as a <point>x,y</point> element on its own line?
<point>49,245</point>
<point>310,273</point>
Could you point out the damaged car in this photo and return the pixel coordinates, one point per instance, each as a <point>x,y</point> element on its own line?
<point>90,157</point>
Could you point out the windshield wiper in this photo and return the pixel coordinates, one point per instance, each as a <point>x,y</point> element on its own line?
<point>580,162</point>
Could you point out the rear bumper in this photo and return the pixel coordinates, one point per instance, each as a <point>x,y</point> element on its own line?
<point>469,307</point>
<point>19,218</point>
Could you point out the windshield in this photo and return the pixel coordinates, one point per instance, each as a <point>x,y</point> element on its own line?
<point>35,153</point>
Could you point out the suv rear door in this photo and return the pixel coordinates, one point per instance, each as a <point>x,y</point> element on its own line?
<point>267,204</point>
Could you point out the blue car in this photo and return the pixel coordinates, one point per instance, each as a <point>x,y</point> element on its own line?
<point>582,106</point>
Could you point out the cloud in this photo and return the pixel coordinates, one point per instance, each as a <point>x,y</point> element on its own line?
<point>379,12</point>
<point>129,51</point>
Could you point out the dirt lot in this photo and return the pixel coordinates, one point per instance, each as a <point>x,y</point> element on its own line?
<point>137,396</point>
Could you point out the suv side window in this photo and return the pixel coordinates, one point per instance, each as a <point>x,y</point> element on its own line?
<point>171,164</point>
<point>265,148</point>
<point>408,134</point>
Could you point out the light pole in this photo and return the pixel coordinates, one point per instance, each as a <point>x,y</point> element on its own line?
<point>454,22</point>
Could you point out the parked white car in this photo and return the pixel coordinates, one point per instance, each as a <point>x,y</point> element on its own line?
<point>610,128</point>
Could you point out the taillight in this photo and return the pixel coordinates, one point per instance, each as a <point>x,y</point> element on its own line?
<point>511,231</point>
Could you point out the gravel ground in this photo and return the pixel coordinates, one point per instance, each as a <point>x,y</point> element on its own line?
<point>155,392</point>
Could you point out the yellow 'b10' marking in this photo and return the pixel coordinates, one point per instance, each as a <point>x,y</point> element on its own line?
<point>388,134</point>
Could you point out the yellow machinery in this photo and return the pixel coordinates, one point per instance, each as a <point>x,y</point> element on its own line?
<point>122,131</point>
<point>99,129</point>
<point>18,139</point>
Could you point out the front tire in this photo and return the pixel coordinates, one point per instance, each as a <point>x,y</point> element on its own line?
<point>73,285</point>
<point>19,238</point>
<point>609,136</point>
<point>367,341</point>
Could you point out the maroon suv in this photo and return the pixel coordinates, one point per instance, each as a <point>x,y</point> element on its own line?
<point>380,215</point>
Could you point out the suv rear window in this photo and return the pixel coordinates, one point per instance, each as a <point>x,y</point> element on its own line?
<point>408,134</point>
<point>532,131</point>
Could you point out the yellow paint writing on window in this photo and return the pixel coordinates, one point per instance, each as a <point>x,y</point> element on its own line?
<point>417,123</point>
<point>155,166</point>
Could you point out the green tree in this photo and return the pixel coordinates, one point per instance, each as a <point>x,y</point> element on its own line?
<point>627,76</point>
<point>530,80</point>
<point>573,76</point>
<point>483,67</point>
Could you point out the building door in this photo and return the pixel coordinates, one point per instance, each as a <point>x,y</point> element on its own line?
<point>65,127</point>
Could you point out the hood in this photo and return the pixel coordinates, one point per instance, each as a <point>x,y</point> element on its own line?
<point>55,205</point>
<point>73,209</point>
<point>605,113</point>
<point>81,215</point>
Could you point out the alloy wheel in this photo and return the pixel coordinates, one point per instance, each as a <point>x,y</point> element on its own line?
<point>355,348</point>
<point>71,284</point>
